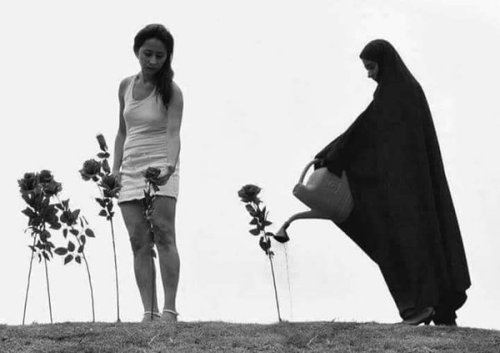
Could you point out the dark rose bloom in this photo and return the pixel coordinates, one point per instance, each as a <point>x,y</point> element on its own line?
<point>45,176</point>
<point>52,188</point>
<point>110,185</point>
<point>249,192</point>
<point>102,142</point>
<point>152,175</point>
<point>28,182</point>
<point>90,170</point>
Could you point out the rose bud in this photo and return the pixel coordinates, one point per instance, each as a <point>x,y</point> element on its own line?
<point>102,142</point>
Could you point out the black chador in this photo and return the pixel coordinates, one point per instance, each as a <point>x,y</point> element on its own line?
<point>403,216</point>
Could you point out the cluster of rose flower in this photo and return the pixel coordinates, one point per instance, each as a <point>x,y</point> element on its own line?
<point>38,189</point>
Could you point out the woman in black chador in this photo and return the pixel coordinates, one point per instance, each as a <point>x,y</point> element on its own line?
<point>403,215</point>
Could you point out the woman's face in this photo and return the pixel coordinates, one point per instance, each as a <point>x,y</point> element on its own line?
<point>372,68</point>
<point>152,56</point>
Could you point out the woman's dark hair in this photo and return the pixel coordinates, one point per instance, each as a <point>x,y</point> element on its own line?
<point>163,78</point>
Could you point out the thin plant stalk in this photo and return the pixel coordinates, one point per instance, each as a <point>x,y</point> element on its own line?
<point>272,269</point>
<point>116,272</point>
<point>275,289</point>
<point>48,288</point>
<point>116,265</point>
<point>153,284</point>
<point>153,274</point>
<point>90,280</point>
<point>29,279</point>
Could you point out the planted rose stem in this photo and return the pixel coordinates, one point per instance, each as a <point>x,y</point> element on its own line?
<point>29,279</point>
<point>116,272</point>
<point>116,265</point>
<point>48,288</point>
<point>275,289</point>
<point>90,280</point>
<point>271,262</point>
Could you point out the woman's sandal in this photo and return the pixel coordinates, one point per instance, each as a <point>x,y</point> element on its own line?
<point>150,316</point>
<point>170,317</point>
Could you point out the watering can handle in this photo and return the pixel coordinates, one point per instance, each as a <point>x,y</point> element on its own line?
<point>304,172</point>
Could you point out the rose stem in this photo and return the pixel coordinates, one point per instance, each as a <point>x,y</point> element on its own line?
<point>48,288</point>
<point>153,277</point>
<point>29,278</point>
<point>274,283</point>
<point>114,256</point>
<point>90,279</point>
<point>271,262</point>
<point>116,271</point>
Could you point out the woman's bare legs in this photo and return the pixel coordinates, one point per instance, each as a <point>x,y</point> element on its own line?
<point>164,230</point>
<point>141,242</point>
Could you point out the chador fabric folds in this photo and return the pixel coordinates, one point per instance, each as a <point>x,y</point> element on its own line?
<point>403,216</point>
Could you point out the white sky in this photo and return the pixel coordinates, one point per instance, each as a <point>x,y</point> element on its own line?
<point>266,85</point>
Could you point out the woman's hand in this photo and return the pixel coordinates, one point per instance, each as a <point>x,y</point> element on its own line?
<point>117,175</point>
<point>165,174</point>
<point>169,170</point>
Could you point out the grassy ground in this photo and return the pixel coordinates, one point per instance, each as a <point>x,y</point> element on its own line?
<point>224,337</point>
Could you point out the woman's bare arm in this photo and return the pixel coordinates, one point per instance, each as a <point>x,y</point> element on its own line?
<point>122,131</point>
<point>174,126</point>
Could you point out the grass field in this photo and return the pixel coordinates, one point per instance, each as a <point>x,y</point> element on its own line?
<point>227,337</point>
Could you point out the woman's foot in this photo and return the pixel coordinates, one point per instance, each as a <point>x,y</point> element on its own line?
<point>281,235</point>
<point>445,319</point>
<point>423,316</point>
<point>150,316</point>
<point>169,315</point>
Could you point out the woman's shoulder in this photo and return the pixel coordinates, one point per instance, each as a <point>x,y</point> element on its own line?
<point>176,93</point>
<point>176,89</point>
<point>124,83</point>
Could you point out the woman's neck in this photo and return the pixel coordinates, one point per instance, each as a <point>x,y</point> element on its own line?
<point>146,79</point>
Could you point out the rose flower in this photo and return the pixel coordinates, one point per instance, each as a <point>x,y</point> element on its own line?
<point>152,175</point>
<point>249,192</point>
<point>91,169</point>
<point>110,185</point>
<point>52,188</point>
<point>45,176</point>
<point>28,182</point>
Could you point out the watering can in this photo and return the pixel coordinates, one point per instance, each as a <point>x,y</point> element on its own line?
<point>325,192</point>
<point>327,195</point>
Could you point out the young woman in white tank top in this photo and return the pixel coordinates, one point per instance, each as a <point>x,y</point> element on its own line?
<point>148,136</point>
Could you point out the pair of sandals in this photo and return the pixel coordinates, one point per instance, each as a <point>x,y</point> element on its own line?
<point>168,316</point>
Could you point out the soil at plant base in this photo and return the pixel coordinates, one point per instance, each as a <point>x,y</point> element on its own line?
<point>226,337</point>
